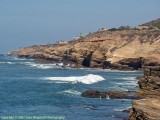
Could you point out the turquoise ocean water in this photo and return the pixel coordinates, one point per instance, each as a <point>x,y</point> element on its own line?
<point>31,89</point>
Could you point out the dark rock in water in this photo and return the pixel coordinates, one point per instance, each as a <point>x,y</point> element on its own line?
<point>1,55</point>
<point>109,95</point>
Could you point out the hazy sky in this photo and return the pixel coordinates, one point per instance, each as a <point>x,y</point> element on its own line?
<point>28,22</point>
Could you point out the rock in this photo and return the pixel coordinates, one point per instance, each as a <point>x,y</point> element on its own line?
<point>151,61</point>
<point>152,71</point>
<point>109,95</point>
<point>133,63</point>
<point>148,107</point>
<point>115,66</point>
<point>87,60</point>
<point>149,86</point>
<point>96,64</point>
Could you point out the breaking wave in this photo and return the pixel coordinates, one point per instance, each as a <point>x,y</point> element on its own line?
<point>128,78</point>
<point>87,79</point>
<point>120,71</point>
<point>73,92</point>
<point>117,88</point>
<point>35,65</point>
<point>128,83</point>
<point>6,63</point>
<point>46,66</point>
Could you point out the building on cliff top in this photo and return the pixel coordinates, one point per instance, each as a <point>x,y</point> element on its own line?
<point>62,42</point>
<point>102,29</point>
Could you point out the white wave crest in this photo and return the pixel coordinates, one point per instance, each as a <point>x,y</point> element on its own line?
<point>117,88</point>
<point>45,66</point>
<point>87,79</point>
<point>122,108</point>
<point>35,65</point>
<point>128,83</point>
<point>128,78</point>
<point>121,71</point>
<point>7,63</point>
<point>73,92</point>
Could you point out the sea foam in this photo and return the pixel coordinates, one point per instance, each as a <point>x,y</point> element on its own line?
<point>73,92</point>
<point>87,79</point>
<point>45,66</point>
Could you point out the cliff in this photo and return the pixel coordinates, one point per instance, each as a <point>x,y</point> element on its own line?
<point>114,48</point>
<point>125,49</point>
<point>148,107</point>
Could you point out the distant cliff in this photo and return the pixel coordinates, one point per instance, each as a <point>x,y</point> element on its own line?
<point>122,48</point>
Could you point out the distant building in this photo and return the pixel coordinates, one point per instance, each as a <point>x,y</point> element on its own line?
<point>62,42</point>
<point>103,29</point>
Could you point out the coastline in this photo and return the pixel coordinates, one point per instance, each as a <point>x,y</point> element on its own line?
<point>120,49</point>
<point>143,97</point>
<point>115,49</point>
<point>147,107</point>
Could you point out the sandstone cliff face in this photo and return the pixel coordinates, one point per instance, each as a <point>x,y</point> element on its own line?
<point>148,107</point>
<point>121,49</point>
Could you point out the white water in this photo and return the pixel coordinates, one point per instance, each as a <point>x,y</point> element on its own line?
<point>73,92</point>
<point>87,79</point>
<point>128,83</point>
<point>36,65</point>
<point>45,66</point>
<point>128,78</point>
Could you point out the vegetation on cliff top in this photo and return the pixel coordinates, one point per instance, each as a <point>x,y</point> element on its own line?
<point>155,23</point>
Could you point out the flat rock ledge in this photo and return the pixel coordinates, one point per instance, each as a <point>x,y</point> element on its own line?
<point>109,95</point>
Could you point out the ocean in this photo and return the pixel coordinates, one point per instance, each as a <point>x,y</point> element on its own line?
<point>50,91</point>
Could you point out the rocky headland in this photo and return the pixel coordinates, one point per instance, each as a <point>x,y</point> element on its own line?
<point>148,106</point>
<point>117,48</point>
<point>145,101</point>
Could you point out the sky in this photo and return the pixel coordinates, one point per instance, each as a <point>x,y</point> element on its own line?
<point>33,22</point>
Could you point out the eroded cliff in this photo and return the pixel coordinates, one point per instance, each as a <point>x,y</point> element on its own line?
<point>148,106</point>
<point>115,49</point>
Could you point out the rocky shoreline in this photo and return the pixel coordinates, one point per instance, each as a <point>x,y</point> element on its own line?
<point>120,49</point>
<point>148,107</point>
<point>146,101</point>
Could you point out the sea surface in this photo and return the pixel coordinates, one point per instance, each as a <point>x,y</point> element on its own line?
<point>31,89</point>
